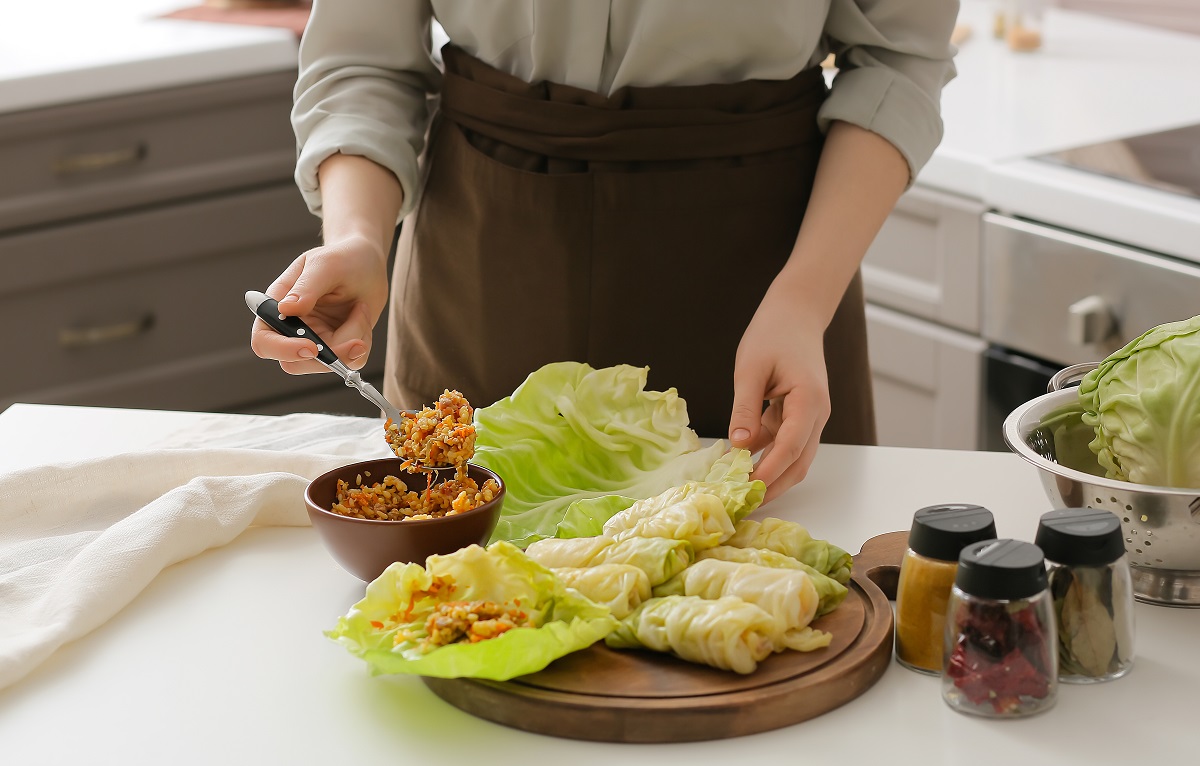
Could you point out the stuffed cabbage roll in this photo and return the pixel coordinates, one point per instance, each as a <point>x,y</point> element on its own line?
<point>700,519</point>
<point>830,592</point>
<point>659,557</point>
<point>620,587</point>
<point>787,594</point>
<point>728,481</point>
<point>725,633</point>
<point>791,539</point>
<point>557,552</point>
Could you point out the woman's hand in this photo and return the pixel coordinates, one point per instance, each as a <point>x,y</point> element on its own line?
<point>339,290</point>
<point>781,359</point>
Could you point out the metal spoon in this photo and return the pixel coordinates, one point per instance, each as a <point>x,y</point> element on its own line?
<point>267,309</point>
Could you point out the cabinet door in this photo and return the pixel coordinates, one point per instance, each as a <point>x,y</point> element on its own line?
<point>100,156</point>
<point>927,381</point>
<point>925,261</point>
<point>146,309</point>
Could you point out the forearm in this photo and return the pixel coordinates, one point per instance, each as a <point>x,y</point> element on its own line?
<point>859,178</point>
<point>359,200</point>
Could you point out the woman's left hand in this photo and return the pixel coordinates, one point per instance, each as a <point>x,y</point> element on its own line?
<point>781,360</point>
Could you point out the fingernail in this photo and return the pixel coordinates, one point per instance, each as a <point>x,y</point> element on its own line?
<point>290,298</point>
<point>358,351</point>
<point>306,353</point>
<point>740,435</point>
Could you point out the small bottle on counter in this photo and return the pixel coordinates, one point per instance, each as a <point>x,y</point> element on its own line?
<point>1001,658</point>
<point>1023,24</point>
<point>1092,589</point>
<point>938,535</point>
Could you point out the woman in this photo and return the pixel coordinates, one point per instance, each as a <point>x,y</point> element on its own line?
<point>656,182</point>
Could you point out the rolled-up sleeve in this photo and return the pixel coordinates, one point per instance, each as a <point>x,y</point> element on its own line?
<point>365,76</point>
<point>893,57</point>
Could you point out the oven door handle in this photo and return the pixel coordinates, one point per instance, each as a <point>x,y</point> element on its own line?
<point>1090,320</point>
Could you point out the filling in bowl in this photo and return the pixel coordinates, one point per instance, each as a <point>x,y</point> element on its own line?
<point>392,500</point>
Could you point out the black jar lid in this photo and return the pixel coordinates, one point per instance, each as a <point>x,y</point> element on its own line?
<point>941,531</point>
<point>1001,569</point>
<point>1080,537</point>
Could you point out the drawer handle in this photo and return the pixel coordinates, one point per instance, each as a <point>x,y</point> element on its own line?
<point>83,337</point>
<point>94,162</point>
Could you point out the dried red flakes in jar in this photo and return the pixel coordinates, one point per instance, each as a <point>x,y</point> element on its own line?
<point>1000,649</point>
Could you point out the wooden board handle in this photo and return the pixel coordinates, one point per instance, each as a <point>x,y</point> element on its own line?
<point>880,559</point>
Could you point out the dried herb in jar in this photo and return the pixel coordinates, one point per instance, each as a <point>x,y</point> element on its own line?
<point>1092,592</point>
<point>1093,639</point>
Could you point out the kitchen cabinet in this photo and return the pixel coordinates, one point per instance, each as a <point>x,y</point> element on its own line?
<point>925,260</point>
<point>927,381</point>
<point>921,278</point>
<point>130,229</point>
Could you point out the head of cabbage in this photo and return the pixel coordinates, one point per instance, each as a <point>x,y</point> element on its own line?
<point>1144,403</point>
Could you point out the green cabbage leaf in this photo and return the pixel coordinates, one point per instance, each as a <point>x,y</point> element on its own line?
<point>571,432</point>
<point>1144,403</point>
<point>388,626</point>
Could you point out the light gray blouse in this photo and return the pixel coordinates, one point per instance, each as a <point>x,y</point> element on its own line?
<point>367,71</point>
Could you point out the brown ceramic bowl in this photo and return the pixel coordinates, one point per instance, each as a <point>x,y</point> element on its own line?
<point>366,548</point>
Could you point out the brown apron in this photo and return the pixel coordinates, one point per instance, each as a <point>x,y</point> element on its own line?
<point>639,228</point>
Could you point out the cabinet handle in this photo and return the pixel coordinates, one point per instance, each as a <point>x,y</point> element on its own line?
<point>94,162</point>
<point>83,337</point>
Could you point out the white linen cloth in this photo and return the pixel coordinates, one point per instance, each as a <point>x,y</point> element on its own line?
<point>79,541</point>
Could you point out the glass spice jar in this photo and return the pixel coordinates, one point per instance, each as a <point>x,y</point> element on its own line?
<point>938,535</point>
<point>1001,658</point>
<point>1023,24</point>
<point>1092,589</point>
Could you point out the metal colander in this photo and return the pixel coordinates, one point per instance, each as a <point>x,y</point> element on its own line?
<point>1161,524</point>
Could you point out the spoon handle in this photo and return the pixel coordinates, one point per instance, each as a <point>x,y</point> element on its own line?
<point>267,309</point>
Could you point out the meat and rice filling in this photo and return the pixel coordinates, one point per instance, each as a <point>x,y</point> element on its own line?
<point>441,435</point>
<point>455,622</point>
<point>392,500</point>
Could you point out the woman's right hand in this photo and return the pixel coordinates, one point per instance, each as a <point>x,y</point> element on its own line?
<point>339,290</point>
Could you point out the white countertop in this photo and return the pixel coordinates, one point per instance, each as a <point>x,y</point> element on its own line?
<point>222,658</point>
<point>1095,80</point>
<point>75,50</point>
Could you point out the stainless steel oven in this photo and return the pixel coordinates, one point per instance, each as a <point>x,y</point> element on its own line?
<point>1052,298</point>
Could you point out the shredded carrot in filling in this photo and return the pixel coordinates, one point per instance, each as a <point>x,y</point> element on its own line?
<point>392,500</point>
<point>436,588</point>
<point>441,435</point>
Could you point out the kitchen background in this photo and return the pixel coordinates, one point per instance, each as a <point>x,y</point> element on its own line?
<point>148,183</point>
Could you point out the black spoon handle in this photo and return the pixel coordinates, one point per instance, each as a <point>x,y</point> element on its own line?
<point>267,309</point>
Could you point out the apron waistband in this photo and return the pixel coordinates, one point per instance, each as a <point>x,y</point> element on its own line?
<point>633,123</point>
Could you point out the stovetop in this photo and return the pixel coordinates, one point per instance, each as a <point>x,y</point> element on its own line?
<point>1168,160</point>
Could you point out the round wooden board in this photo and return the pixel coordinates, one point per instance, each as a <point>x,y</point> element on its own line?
<point>633,696</point>
<point>653,675</point>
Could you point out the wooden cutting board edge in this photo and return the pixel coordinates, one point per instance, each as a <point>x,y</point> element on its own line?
<point>718,716</point>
